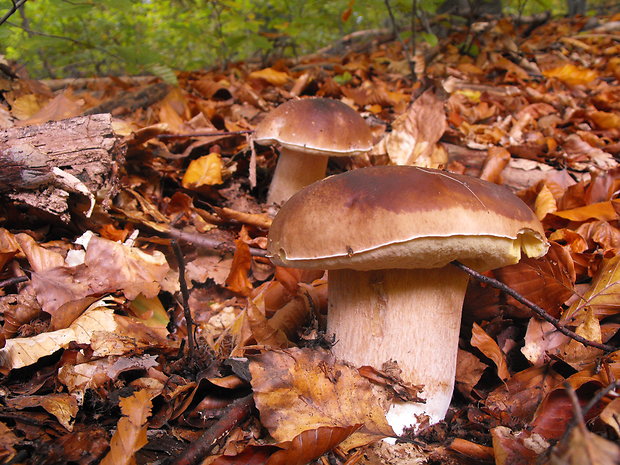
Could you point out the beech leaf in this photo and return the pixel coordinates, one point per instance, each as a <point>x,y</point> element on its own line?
<point>483,342</point>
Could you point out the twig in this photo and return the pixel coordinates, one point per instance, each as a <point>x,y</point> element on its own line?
<point>395,29</point>
<point>535,308</point>
<point>185,295</point>
<point>238,411</point>
<point>13,281</point>
<point>16,6</point>
<point>211,244</point>
<point>204,134</point>
<point>599,396</point>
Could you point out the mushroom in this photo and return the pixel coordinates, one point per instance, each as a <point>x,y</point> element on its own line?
<point>387,236</point>
<point>307,132</point>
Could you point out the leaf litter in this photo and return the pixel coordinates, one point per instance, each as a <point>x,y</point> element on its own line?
<point>93,366</point>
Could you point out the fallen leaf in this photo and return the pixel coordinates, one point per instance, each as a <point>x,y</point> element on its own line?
<point>63,406</point>
<point>469,369</point>
<point>297,390</point>
<point>130,435</point>
<point>483,342</point>
<point>415,134</point>
<point>310,445</point>
<point>571,74</point>
<point>204,171</point>
<point>611,415</point>
<point>238,279</point>
<point>517,448</point>
<point>272,76</point>
<point>7,441</point>
<point>8,247</point>
<point>582,447</point>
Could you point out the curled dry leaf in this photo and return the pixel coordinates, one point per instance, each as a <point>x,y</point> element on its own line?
<point>296,390</point>
<point>310,445</point>
<point>204,171</point>
<point>63,406</point>
<point>40,258</point>
<point>483,342</point>
<point>469,369</point>
<point>582,447</point>
<point>272,76</point>
<point>497,159</point>
<point>130,435</point>
<point>611,415</point>
<point>547,281</point>
<point>542,339</point>
<point>8,247</point>
<point>415,134</point>
<point>599,211</point>
<point>521,395</point>
<point>238,279</point>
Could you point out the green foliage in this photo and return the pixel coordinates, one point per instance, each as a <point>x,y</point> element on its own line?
<point>57,38</point>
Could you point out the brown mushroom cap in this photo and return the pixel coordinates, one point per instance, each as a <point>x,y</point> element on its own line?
<point>319,126</point>
<point>403,217</point>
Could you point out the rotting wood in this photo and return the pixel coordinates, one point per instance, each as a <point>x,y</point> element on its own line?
<point>41,165</point>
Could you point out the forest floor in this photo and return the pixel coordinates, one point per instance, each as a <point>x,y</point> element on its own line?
<point>95,360</point>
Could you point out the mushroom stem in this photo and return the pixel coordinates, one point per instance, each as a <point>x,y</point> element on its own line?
<point>294,171</point>
<point>410,316</point>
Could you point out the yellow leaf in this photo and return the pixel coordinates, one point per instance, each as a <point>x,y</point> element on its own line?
<point>571,74</point>
<point>203,171</point>
<point>25,106</point>
<point>605,120</point>
<point>545,203</point>
<point>604,211</point>
<point>272,76</point>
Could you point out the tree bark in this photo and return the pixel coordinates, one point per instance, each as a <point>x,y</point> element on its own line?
<point>41,165</point>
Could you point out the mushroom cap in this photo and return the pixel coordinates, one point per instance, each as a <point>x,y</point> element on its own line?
<point>317,126</point>
<point>403,217</point>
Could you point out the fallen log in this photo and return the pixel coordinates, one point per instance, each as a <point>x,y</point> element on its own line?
<point>41,165</point>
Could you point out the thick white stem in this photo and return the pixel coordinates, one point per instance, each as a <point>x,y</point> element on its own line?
<point>294,171</point>
<point>410,316</point>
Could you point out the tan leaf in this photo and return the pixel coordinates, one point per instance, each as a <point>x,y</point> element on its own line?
<point>25,106</point>
<point>7,441</point>
<point>497,159</point>
<point>575,353</point>
<point>415,134</point>
<point>62,106</point>
<point>600,211</point>
<point>582,447</point>
<point>264,333</point>
<point>542,339</point>
<point>204,171</point>
<point>130,435</point>
<point>611,415</point>
<point>40,258</point>
<point>605,120</point>
<point>63,406</point>
<point>23,351</point>
<point>512,448</point>
<point>302,389</point>
<point>469,369</point>
<point>115,266</point>
<point>483,342</point>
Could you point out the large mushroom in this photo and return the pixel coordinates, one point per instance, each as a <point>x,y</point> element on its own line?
<point>307,132</point>
<point>387,236</point>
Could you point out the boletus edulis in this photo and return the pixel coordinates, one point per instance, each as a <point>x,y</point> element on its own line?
<point>387,236</point>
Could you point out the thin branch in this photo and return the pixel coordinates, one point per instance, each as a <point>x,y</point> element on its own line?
<point>13,281</point>
<point>203,134</point>
<point>238,411</point>
<point>16,6</point>
<point>185,295</point>
<point>535,308</point>
<point>211,244</point>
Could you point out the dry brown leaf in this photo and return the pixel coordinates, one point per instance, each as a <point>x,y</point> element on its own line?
<point>522,394</point>
<point>209,266</point>
<point>297,390</point>
<point>415,134</point>
<point>522,448</point>
<point>310,445</point>
<point>497,159</point>
<point>115,266</point>
<point>542,340</point>
<point>575,353</point>
<point>238,279</point>
<point>63,406</point>
<point>7,441</point>
<point>471,449</point>
<point>130,435</point>
<point>545,203</point>
<point>40,258</point>
<point>571,74</point>
<point>469,369</point>
<point>605,120</point>
<point>272,76</point>
<point>599,211</point>
<point>263,332</point>
<point>62,106</point>
<point>483,342</point>
<point>8,247</point>
<point>582,447</point>
<point>547,281</point>
<point>611,415</point>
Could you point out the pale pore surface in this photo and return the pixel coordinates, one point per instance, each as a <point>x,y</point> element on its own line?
<point>410,316</point>
<point>293,172</point>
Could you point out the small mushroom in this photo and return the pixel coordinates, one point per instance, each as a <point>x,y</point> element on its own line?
<point>387,236</point>
<point>307,132</point>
